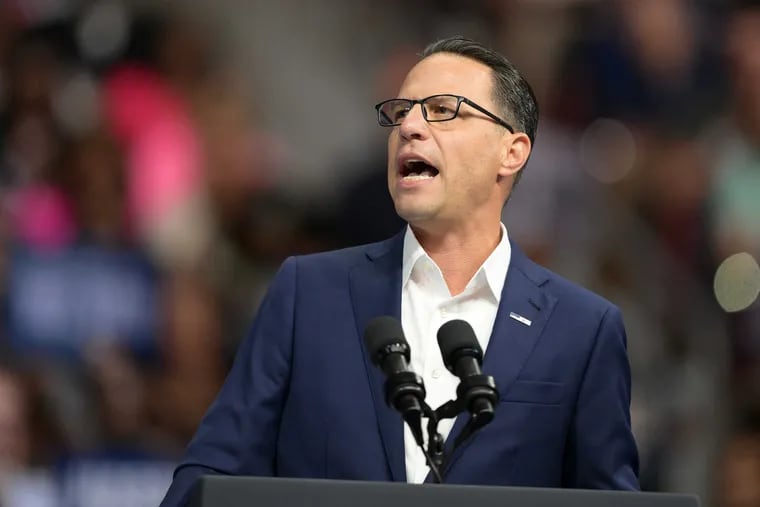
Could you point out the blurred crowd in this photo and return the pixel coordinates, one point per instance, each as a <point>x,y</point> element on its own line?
<point>150,185</point>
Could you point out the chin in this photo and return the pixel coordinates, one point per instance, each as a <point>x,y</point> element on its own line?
<point>413,209</point>
<point>415,216</point>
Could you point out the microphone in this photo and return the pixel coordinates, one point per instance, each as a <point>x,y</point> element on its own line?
<point>463,357</point>
<point>404,390</point>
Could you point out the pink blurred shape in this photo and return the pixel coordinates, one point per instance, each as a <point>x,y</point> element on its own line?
<point>164,168</point>
<point>41,217</point>
<point>134,97</point>
<point>161,142</point>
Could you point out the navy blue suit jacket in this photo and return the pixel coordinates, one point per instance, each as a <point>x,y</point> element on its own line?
<point>304,400</point>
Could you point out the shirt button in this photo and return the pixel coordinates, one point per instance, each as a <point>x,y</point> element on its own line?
<point>436,373</point>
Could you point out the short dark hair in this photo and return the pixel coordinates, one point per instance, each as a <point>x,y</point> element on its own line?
<point>511,91</point>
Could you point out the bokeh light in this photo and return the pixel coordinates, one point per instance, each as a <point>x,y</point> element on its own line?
<point>607,150</point>
<point>103,30</point>
<point>77,103</point>
<point>737,282</point>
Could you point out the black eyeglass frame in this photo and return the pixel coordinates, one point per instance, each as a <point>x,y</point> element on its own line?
<point>459,98</point>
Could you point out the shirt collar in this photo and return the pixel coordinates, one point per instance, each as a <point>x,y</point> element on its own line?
<point>494,268</point>
<point>497,264</point>
<point>413,251</point>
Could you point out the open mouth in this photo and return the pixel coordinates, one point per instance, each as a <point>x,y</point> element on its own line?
<point>414,170</point>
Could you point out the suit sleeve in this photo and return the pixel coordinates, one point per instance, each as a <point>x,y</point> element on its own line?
<point>601,450</point>
<point>238,434</point>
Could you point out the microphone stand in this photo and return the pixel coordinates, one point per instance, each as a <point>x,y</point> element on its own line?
<point>434,454</point>
<point>406,393</point>
<point>467,391</point>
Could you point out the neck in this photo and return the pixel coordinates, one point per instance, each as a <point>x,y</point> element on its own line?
<point>459,252</point>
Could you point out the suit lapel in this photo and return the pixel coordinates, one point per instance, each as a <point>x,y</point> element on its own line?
<point>512,339</point>
<point>376,290</point>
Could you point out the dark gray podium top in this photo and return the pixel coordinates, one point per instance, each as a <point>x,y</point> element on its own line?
<point>218,491</point>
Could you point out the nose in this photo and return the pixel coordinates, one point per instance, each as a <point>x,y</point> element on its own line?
<point>414,124</point>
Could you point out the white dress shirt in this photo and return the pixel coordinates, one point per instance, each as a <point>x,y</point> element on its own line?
<point>426,304</point>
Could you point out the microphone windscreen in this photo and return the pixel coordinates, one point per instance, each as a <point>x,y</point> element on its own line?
<point>455,337</point>
<point>382,332</point>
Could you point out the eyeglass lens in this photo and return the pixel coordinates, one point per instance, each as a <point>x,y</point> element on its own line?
<point>436,108</point>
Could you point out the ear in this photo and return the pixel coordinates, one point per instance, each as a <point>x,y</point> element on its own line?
<point>514,153</point>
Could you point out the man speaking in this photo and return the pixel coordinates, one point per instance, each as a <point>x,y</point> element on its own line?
<point>304,398</point>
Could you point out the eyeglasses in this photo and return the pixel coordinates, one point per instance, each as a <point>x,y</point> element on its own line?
<point>434,108</point>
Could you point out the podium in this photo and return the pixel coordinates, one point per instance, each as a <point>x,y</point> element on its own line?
<point>226,491</point>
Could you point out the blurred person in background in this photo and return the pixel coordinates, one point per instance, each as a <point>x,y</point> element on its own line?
<point>251,229</point>
<point>737,172</point>
<point>31,141</point>
<point>130,461</point>
<point>452,164</point>
<point>738,468</point>
<point>735,196</point>
<point>15,441</point>
<point>28,442</point>
<point>99,285</point>
<point>192,367</point>
<point>642,61</point>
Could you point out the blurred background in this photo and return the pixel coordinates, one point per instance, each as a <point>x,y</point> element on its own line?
<point>158,160</point>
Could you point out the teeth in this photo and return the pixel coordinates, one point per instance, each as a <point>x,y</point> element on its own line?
<point>417,169</point>
<point>413,161</point>
<point>417,177</point>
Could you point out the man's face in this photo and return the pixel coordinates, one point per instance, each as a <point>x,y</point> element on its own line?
<point>465,153</point>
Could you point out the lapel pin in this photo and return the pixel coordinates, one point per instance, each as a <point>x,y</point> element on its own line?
<point>520,318</point>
